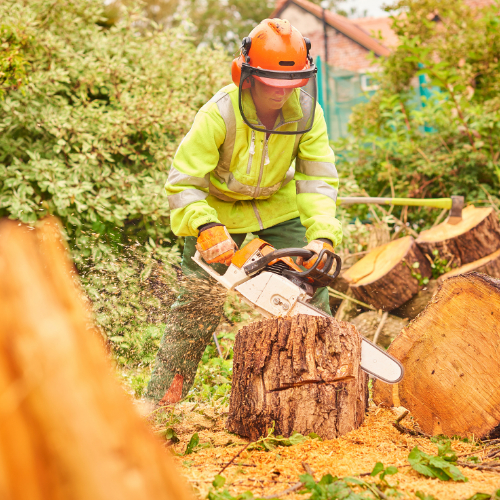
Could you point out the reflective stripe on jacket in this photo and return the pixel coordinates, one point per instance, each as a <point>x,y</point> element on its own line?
<point>223,171</point>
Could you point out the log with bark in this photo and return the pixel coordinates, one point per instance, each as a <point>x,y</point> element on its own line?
<point>418,302</point>
<point>489,265</point>
<point>451,356</point>
<point>67,428</point>
<point>389,275</point>
<point>300,374</point>
<point>475,237</point>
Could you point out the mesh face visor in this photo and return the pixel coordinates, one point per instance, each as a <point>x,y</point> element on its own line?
<point>293,93</point>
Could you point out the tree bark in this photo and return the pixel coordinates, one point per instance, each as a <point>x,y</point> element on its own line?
<point>389,275</point>
<point>489,265</point>
<point>302,374</point>
<point>68,430</point>
<point>477,236</point>
<point>451,360</point>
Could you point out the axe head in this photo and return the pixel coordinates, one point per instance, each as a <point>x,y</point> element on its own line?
<point>455,216</point>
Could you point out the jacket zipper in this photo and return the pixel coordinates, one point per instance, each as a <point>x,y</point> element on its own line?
<point>251,152</point>
<point>263,161</point>
<point>256,212</point>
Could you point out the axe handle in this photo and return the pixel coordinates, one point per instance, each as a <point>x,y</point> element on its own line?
<point>444,203</point>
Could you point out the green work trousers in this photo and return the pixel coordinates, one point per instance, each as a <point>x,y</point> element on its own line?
<point>195,315</point>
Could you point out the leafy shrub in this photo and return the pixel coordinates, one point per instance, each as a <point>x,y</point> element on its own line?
<point>89,137</point>
<point>445,143</point>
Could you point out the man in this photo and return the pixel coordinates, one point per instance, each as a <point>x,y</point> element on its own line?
<point>256,160</point>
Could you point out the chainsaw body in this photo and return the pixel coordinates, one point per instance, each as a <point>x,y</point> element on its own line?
<point>269,281</point>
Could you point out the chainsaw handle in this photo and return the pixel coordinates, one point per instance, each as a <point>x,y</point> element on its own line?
<point>320,277</point>
<point>261,263</point>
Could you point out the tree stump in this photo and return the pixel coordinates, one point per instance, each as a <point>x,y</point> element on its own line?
<point>451,356</point>
<point>477,236</point>
<point>389,275</point>
<point>67,430</point>
<point>489,265</point>
<point>302,374</point>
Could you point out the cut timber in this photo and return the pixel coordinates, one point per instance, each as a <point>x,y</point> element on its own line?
<point>302,374</point>
<point>385,277</point>
<point>417,303</point>
<point>67,428</point>
<point>477,236</point>
<point>489,265</point>
<point>368,322</point>
<point>451,356</point>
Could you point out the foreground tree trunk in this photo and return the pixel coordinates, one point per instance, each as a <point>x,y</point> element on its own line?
<point>389,275</point>
<point>477,236</point>
<point>67,430</point>
<point>302,374</point>
<point>452,362</point>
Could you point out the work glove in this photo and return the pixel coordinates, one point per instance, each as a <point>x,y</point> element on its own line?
<point>316,246</point>
<point>215,244</point>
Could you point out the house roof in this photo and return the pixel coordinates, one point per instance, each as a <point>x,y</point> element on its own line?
<point>379,27</point>
<point>340,23</point>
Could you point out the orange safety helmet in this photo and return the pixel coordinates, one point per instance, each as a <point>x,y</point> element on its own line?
<point>274,45</point>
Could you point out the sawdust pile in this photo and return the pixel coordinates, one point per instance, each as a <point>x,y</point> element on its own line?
<point>266,473</point>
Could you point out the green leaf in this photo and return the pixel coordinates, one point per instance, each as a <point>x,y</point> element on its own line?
<point>432,466</point>
<point>379,467</point>
<point>423,496</point>
<point>391,470</point>
<point>446,452</point>
<point>296,438</point>
<point>171,435</point>
<point>193,443</point>
<point>313,435</point>
<point>219,481</point>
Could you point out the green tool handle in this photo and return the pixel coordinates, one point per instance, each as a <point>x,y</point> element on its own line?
<point>444,203</point>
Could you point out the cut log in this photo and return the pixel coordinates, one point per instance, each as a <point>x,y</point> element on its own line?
<point>368,322</point>
<point>489,265</point>
<point>452,361</point>
<point>477,236</point>
<point>390,275</point>
<point>67,430</point>
<point>302,374</point>
<point>417,303</point>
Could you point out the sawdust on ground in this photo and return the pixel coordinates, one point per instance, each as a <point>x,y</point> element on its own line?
<point>266,473</point>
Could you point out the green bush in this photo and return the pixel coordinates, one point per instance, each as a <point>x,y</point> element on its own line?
<point>448,145</point>
<point>89,137</point>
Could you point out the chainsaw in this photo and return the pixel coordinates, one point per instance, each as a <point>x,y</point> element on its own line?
<point>270,282</point>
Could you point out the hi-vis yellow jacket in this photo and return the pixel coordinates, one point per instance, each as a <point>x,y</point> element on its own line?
<point>223,171</point>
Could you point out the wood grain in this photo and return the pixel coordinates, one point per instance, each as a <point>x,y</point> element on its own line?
<point>451,355</point>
